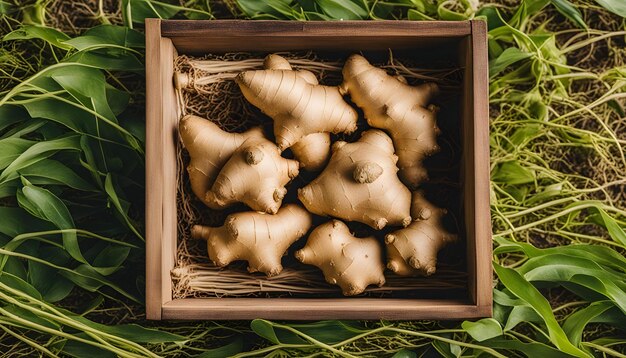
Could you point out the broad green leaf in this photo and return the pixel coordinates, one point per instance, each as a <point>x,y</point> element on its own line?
<point>52,172</point>
<point>343,9</point>
<point>11,149</point>
<point>103,35</point>
<point>48,34</point>
<point>520,314</point>
<point>512,173</point>
<point>530,349</point>
<point>38,152</point>
<point>79,349</point>
<point>483,329</point>
<point>46,279</point>
<point>325,331</point>
<point>617,233</point>
<point>105,61</point>
<point>228,350</point>
<point>49,207</point>
<point>577,321</point>
<point>9,115</point>
<point>404,353</point>
<point>16,221</point>
<point>88,278</point>
<point>133,332</point>
<point>139,10</point>
<point>110,190</point>
<point>252,8</point>
<point>19,284</point>
<point>618,7</point>
<point>524,290</point>
<point>570,11</point>
<point>510,56</point>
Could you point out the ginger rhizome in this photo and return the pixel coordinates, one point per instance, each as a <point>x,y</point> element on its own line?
<point>360,183</point>
<point>389,103</point>
<point>299,107</point>
<point>350,262</point>
<point>209,148</point>
<point>413,249</point>
<point>261,239</point>
<point>255,175</point>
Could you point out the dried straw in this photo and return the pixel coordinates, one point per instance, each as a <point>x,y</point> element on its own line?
<point>211,93</point>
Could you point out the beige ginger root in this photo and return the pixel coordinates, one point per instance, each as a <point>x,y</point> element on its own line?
<point>360,184</point>
<point>350,262</point>
<point>209,148</point>
<point>413,249</point>
<point>299,107</point>
<point>255,175</point>
<point>258,238</point>
<point>389,103</point>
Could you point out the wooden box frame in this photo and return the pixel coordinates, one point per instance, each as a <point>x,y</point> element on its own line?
<point>166,38</point>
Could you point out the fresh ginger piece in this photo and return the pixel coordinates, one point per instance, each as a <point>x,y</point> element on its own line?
<point>360,184</point>
<point>255,175</point>
<point>413,250</point>
<point>350,262</point>
<point>296,102</point>
<point>258,238</point>
<point>209,148</point>
<point>389,103</point>
<point>312,151</point>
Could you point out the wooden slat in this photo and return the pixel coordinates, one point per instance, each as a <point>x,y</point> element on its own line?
<point>282,29</point>
<point>480,88</point>
<point>315,309</point>
<point>154,168</point>
<point>168,158</point>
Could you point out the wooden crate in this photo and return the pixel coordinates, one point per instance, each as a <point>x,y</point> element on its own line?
<point>167,38</point>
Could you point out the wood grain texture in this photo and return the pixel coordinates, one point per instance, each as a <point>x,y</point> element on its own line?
<point>333,29</point>
<point>483,239</point>
<point>169,135</point>
<point>316,309</point>
<point>154,165</point>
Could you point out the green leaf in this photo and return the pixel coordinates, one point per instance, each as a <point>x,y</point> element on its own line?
<point>11,149</point>
<point>404,353</point>
<point>342,10</point>
<point>49,207</point>
<point>48,34</point>
<point>328,332</point>
<point>483,329</point>
<point>52,172</point>
<point>110,190</point>
<point>38,152</point>
<point>106,35</point>
<point>530,349</point>
<point>510,56</point>
<point>527,292</point>
<point>139,10</point>
<point>618,7</point>
<point>228,350</point>
<point>570,11</point>
<point>615,231</point>
<point>575,324</point>
<point>512,173</point>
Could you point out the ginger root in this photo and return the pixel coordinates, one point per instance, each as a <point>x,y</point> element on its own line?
<point>258,238</point>
<point>299,107</point>
<point>351,263</point>
<point>255,175</point>
<point>209,148</point>
<point>413,249</point>
<point>360,184</point>
<point>389,103</point>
